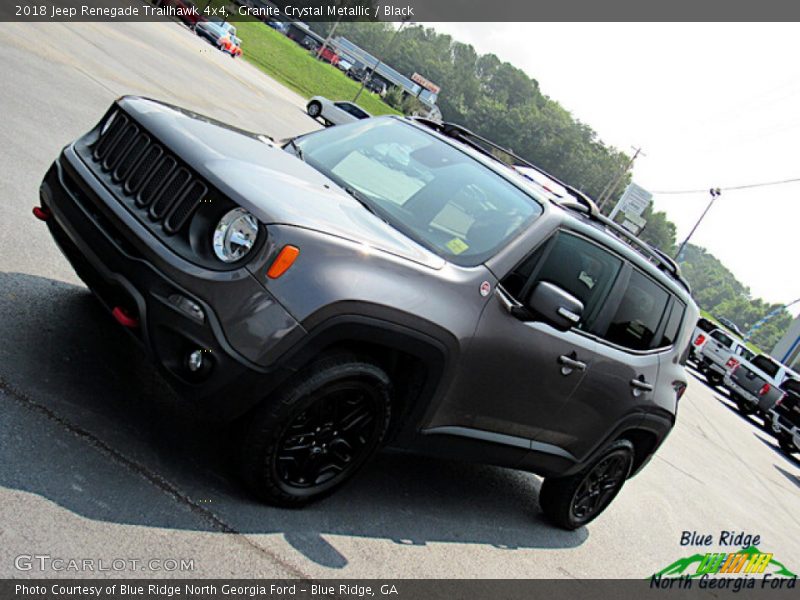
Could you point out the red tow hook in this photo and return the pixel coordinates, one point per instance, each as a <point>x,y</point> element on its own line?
<point>41,213</point>
<point>124,319</point>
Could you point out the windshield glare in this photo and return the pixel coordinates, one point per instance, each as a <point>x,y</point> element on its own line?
<point>424,187</point>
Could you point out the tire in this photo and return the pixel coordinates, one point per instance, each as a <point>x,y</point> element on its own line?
<point>786,444</point>
<point>714,379</point>
<point>314,109</point>
<point>291,451</point>
<point>743,406</point>
<point>560,498</point>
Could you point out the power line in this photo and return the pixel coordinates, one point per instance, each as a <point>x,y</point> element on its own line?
<point>735,187</point>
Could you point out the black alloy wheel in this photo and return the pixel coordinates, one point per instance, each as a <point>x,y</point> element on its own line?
<point>575,500</point>
<point>329,438</point>
<point>309,437</point>
<point>599,486</point>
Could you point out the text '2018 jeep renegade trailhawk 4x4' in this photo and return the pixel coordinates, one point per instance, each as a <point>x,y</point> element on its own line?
<point>386,282</point>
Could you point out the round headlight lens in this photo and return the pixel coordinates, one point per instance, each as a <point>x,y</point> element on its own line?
<point>235,235</point>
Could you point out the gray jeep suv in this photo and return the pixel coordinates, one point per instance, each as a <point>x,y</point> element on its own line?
<point>389,282</point>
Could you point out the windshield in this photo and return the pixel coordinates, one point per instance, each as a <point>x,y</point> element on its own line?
<point>426,188</point>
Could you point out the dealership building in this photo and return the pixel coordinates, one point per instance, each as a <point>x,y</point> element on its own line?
<point>787,350</point>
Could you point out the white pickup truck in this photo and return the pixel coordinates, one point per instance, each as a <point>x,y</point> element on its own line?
<point>715,353</point>
<point>755,384</point>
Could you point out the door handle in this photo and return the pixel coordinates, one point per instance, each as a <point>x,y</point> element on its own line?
<point>641,384</point>
<point>570,362</point>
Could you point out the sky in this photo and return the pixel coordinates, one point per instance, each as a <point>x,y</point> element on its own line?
<point>711,105</point>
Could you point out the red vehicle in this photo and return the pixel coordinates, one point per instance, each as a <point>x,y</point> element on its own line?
<point>187,12</point>
<point>230,44</point>
<point>329,55</point>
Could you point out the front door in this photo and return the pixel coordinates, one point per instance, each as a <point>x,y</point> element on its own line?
<point>518,376</point>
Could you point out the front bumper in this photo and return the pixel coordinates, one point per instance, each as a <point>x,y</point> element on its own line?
<point>243,332</point>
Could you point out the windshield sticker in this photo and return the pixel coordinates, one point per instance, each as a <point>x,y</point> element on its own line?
<point>456,246</point>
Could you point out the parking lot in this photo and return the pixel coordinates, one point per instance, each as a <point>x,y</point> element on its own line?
<point>98,461</point>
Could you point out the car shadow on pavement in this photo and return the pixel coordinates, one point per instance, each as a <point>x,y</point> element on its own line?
<point>790,476</point>
<point>772,444</point>
<point>93,428</point>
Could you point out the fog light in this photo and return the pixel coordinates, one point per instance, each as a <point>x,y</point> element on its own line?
<point>195,361</point>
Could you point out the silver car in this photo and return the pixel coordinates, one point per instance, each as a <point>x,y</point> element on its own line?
<point>335,113</point>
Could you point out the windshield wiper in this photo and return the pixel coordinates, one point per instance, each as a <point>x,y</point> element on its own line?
<point>297,150</point>
<point>363,201</point>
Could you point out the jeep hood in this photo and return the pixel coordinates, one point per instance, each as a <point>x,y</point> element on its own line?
<point>274,185</point>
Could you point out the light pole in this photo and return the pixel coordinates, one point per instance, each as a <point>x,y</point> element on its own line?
<point>379,61</point>
<point>758,324</point>
<point>715,193</point>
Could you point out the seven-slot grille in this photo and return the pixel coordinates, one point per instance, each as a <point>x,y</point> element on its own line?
<point>148,172</point>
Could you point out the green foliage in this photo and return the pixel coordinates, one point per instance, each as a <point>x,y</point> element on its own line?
<point>501,102</point>
<point>659,231</point>
<point>497,100</point>
<point>716,290</point>
<point>299,69</point>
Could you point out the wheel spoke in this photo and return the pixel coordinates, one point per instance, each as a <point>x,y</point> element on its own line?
<point>325,440</point>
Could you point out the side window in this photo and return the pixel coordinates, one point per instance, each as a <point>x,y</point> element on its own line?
<point>574,264</point>
<point>343,105</point>
<point>639,313</point>
<point>673,324</point>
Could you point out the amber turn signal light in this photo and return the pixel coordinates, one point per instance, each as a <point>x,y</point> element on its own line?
<point>283,261</point>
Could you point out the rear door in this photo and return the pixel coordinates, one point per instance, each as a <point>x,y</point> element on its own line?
<point>631,340</point>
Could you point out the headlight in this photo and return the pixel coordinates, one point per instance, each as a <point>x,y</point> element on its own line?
<point>235,235</point>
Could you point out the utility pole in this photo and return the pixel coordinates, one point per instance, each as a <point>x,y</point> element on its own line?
<point>608,191</point>
<point>715,193</point>
<point>379,61</point>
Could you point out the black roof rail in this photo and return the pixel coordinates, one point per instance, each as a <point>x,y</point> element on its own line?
<point>580,201</point>
<point>471,138</point>
<point>662,260</point>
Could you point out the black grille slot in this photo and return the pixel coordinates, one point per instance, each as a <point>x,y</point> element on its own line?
<point>185,207</point>
<point>120,147</point>
<point>110,137</point>
<point>157,179</point>
<point>143,168</point>
<point>169,193</point>
<point>161,186</point>
<point>135,151</point>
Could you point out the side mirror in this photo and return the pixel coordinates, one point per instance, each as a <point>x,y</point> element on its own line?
<point>555,306</point>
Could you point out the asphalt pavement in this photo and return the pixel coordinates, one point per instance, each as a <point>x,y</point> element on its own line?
<point>99,461</point>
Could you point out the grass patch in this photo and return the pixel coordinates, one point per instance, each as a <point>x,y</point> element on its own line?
<point>296,68</point>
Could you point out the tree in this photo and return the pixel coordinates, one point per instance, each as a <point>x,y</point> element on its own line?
<point>659,231</point>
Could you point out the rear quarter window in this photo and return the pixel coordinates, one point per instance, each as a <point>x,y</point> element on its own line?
<point>673,324</point>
